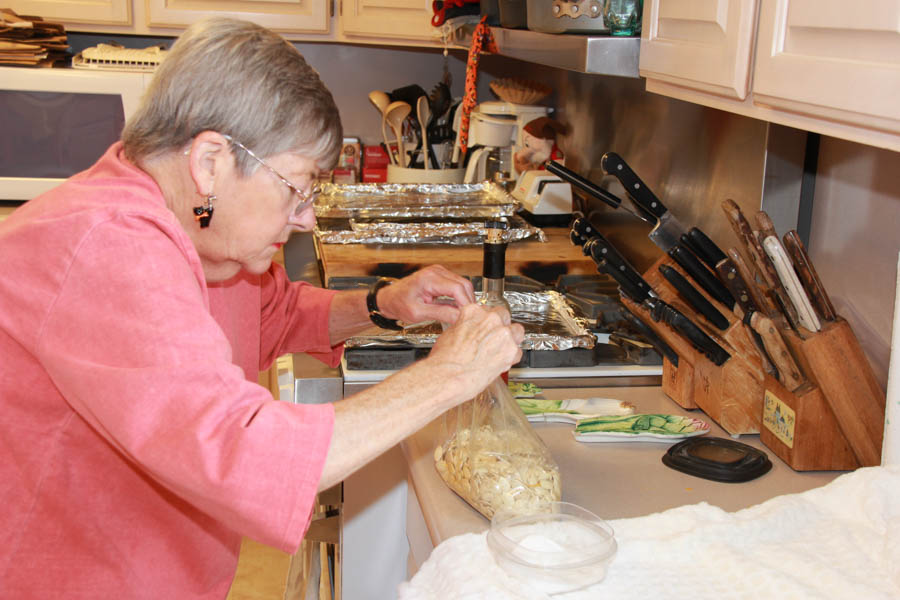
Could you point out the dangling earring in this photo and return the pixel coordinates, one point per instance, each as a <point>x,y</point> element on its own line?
<point>204,213</point>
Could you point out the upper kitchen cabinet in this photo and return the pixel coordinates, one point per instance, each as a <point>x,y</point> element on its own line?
<point>831,59</point>
<point>705,44</point>
<point>78,12</point>
<point>285,16</point>
<point>401,19</point>
<point>826,66</point>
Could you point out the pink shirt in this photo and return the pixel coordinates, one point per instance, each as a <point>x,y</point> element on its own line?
<point>134,452</point>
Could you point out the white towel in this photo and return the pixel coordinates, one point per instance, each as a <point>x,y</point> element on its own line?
<point>839,541</point>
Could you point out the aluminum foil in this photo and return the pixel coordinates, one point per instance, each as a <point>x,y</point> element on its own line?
<point>378,200</point>
<point>549,322</point>
<point>459,232</point>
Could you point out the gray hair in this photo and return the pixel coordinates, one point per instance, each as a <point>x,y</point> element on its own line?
<point>239,79</point>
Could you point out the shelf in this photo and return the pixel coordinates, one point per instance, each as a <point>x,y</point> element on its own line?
<point>599,54</point>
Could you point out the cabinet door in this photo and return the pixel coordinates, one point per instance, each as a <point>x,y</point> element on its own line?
<point>701,44</point>
<point>408,19</point>
<point>302,16</point>
<point>101,12</point>
<point>831,59</point>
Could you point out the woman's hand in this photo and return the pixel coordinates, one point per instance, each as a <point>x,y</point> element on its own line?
<point>412,299</point>
<point>479,346</point>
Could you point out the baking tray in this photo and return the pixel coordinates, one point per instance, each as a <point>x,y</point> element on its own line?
<point>485,200</point>
<point>418,230</point>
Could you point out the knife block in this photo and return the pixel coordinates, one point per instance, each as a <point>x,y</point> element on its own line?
<point>834,421</point>
<point>834,361</point>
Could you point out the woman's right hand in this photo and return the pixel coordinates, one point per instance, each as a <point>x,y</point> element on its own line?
<point>480,346</point>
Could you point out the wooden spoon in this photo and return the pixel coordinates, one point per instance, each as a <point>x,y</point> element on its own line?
<point>423,112</point>
<point>394,115</point>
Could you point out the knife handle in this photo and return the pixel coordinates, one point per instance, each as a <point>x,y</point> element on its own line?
<point>601,249</point>
<point>765,224</point>
<point>788,372</point>
<point>615,165</point>
<point>583,184</point>
<point>612,263</point>
<point>660,311</point>
<point>652,337</point>
<point>695,299</point>
<point>731,278</point>
<point>754,249</point>
<point>699,273</point>
<point>791,284</point>
<point>808,276</point>
<point>706,249</point>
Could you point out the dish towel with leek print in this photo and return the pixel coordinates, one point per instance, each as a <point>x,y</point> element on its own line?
<point>838,541</point>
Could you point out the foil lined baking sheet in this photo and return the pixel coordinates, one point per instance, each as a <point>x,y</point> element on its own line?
<point>457,232</point>
<point>549,322</point>
<point>378,200</point>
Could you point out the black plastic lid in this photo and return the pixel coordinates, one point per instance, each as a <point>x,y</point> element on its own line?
<point>718,459</point>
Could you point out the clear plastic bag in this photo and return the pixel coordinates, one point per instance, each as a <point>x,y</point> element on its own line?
<point>490,455</point>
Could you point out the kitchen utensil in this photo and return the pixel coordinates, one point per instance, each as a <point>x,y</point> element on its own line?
<point>808,276</point>
<point>758,300</point>
<point>664,349</point>
<point>559,549</point>
<point>394,115</point>
<point>594,190</point>
<point>440,99</point>
<point>668,230</point>
<point>699,273</point>
<point>695,299</point>
<point>705,248</point>
<point>718,459</point>
<point>423,113</point>
<point>661,311</point>
<point>788,372</point>
<point>610,260</point>
<point>791,283</point>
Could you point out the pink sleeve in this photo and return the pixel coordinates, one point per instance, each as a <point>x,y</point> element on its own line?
<point>294,319</point>
<point>130,344</point>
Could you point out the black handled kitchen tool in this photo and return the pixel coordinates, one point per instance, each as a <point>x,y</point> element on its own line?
<point>699,273</point>
<point>610,260</point>
<point>668,314</point>
<point>705,248</point>
<point>695,299</point>
<point>667,231</point>
<point>652,337</point>
<point>591,188</point>
<point>718,459</point>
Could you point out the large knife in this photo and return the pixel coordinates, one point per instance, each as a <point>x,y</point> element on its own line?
<point>808,276</point>
<point>595,190</point>
<point>703,276</point>
<point>765,334</point>
<point>705,248</point>
<point>660,311</point>
<point>695,299</point>
<point>667,231</point>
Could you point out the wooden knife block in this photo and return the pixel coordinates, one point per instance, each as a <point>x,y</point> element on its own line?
<point>800,427</point>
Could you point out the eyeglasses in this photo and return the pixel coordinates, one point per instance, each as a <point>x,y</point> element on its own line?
<point>306,198</point>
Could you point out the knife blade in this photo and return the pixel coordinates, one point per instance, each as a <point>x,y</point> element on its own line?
<point>808,276</point>
<point>664,349</point>
<point>595,190</point>
<point>667,231</point>
<point>706,249</point>
<point>784,268</point>
<point>668,314</point>
<point>699,273</point>
<point>695,299</point>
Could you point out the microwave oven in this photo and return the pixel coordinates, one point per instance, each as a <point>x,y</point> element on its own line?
<point>58,122</point>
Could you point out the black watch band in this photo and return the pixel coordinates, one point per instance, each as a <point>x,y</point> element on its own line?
<point>372,305</point>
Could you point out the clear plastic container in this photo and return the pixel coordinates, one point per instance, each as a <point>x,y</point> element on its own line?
<point>561,550</point>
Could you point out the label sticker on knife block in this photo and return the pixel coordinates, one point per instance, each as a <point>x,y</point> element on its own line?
<point>779,418</point>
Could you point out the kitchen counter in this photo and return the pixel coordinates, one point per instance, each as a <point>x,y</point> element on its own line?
<point>614,480</point>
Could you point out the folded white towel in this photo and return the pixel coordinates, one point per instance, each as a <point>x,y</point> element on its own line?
<point>839,541</point>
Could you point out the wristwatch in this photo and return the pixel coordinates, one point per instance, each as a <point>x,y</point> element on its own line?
<point>371,304</point>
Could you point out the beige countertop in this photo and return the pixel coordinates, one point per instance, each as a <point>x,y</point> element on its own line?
<point>614,480</point>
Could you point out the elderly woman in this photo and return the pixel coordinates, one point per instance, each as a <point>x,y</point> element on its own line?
<point>139,304</point>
